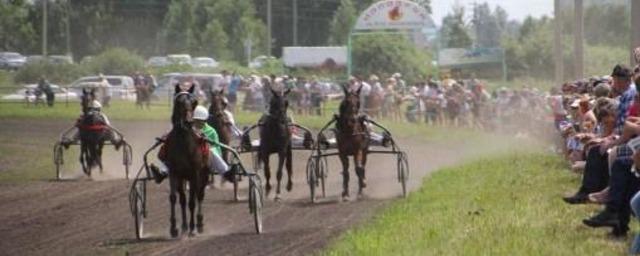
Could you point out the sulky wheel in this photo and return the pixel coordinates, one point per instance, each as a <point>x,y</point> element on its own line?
<point>403,172</point>
<point>138,211</point>
<point>312,177</point>
<point>58,159</point>
<point>126,158</point>
<point>322,173</point>
<point>255,202</point>
<point>236,179</point>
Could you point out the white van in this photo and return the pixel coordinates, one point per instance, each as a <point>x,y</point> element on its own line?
<point>179,59</point>
<point>121,86</point>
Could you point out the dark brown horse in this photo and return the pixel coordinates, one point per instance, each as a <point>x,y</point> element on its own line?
<point>352,138</point>
<point>219,120</point>
<point>187,161</point>
<point>143,95</point>
<point>92,132</point>
<point>275,137</point>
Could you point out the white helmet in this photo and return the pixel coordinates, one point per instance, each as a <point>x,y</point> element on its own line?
<point>201,113</point>
<point>95,105</point>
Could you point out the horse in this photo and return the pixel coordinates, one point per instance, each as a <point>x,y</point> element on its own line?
<point>187,159</point>
<point>219,120</point>
<point>275,137</point>
<point>92,133</point>
<point>143,95</point>
<point>352,139</point>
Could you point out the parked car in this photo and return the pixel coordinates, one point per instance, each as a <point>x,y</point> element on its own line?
<point>121,86</point>
<point>60,59</point>
<point>12,60</point>
<point>259,61</point>
<point>204,62</point>
<point>158,61</point>
<point>204,82</point>
<point>179,59</point>
<point>61,94</point>
<point>31,59</point>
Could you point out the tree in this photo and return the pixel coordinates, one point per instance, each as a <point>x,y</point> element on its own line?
<point>454,30</point>
<point>343,20</point>
<point>16,30</point>
<point>386,54</point>
<point>488,30</point>
<point>215,41</point>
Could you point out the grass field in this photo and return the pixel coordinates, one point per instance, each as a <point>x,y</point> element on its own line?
<point>507,205</point>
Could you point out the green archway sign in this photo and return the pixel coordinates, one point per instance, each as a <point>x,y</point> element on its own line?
<point>389,17</point>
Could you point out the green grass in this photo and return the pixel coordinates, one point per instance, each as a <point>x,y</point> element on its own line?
<point>508,205</point>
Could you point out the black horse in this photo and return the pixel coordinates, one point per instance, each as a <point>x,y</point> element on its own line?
<point>275,137</point>
<point>187,160</point>
<point>92,131</point>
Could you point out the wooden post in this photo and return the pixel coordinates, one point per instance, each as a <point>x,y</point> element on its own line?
<point>578,40</point>
<point>635,27</point>
<point>557,43</point>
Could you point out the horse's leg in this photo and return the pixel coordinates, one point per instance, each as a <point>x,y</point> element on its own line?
<point>183,205</point>
<point>173,184</point>
<point>99,155</point>
<point>281,158</point>
<point>193,189</point>
<point>267,171</point>
<point>359,160</point>
<point>345,176</point>
<point>201,191</point>
<point>289,166</point>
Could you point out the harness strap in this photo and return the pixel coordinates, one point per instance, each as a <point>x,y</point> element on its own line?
<point>93,127</point>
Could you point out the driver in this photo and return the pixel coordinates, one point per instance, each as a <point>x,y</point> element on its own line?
<point>96,107</point>
<point>216,163</point>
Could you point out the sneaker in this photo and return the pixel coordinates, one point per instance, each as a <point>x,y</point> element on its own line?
<point>158,176</point>
<point>603,219</point>
<point>578,198</point>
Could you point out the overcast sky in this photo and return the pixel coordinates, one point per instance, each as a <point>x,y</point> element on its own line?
<point>517,9</point>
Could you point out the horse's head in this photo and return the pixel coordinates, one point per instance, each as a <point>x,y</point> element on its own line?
<point>279,103</point>
<point>350,104</point>
<point>88,96</point>
<point>184,102</point>
<point>218,102</point>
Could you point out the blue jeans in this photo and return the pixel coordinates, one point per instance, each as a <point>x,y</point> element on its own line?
<point>635,207</point>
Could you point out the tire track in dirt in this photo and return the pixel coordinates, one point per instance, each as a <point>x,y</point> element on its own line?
<point>92,217</point>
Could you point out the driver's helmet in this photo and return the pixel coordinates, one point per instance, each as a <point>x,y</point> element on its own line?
<point>200,113</point>
<point>95,105</point>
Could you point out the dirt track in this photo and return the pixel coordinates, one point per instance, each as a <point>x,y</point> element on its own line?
<point>82,216</point>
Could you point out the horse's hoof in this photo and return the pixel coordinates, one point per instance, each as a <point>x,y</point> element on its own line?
<point>268,188</point>
<point>185,229</point>
<point>200,229</point>
<point>345,197</point>
<point>289,186</point>
<point>277,198</point>
<point>174,232</point>
<point>192,234</point>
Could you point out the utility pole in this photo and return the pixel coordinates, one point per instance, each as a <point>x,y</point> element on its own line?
<point>68,27</point>
<point>295,22</point>
<point>635,27</point>
<point>269,27</point>
<point>579,40</point>
<point>44,28</point>
<point>557,43</point>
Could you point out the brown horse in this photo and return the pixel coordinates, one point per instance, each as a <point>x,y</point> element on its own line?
<point>275,137</point>
<point>352,138</point>
<point>143,95</point>
<point>187,161</point>
<point>219,120</point>
<point>92,133</point>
